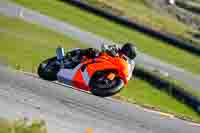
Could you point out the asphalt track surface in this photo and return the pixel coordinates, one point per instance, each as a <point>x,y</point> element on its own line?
<point>149,62</point>
<point>71,111</point>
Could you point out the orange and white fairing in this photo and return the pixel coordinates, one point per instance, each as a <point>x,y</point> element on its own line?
<point>80,76</point>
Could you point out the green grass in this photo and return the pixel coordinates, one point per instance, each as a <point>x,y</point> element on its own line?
<point>195,1</point>
<point>147,95</point>
<point>105,28</point>
<point>141,71</point>
<point>28,44</point>
<point>22,126</point>
<point>190,4</point>
<point>143,12</point>
<point>24,46</point>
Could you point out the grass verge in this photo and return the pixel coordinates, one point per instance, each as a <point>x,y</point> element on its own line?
<point>151,96</point>
<point>148,96</point>
<point>24,46</point>
<point>143,12</point>
<point>22,126</point>
<point>115,32</point>
<point>155,76</point>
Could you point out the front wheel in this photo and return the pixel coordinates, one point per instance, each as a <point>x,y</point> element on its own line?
<point>48,69</point>
<point>106,87</point>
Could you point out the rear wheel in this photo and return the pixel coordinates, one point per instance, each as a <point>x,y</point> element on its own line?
<point>48,69</point>
<point>100,86</point>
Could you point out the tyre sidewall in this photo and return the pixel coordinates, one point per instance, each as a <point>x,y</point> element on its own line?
<point>109,91</point>
<point>52,75</point>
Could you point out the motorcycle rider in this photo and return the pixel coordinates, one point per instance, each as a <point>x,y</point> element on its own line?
<point>128,52</point>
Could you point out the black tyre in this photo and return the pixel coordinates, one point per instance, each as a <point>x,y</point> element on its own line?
<point>106,90</point>
<point>48,69</point>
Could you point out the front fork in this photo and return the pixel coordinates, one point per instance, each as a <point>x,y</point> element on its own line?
<point>60,54</point>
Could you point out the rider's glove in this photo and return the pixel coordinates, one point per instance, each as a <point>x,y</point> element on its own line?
<point>91,52</point>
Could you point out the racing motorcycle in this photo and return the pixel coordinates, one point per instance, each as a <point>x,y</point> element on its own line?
<point>103,76</point>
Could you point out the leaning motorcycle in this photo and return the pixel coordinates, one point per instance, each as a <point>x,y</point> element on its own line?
<point>103,76</point>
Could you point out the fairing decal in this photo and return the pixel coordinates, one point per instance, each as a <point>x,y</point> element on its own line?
<point>67,74</point>
<point>86,77</point>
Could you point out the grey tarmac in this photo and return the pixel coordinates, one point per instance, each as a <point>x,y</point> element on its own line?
<point>69,110</point>
<point>150,63</point>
